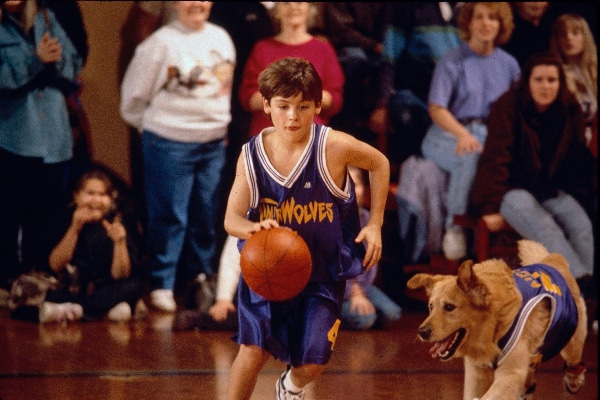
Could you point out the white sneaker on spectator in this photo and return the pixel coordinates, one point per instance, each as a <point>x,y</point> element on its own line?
<point>60,312</point>
<point>454,244</point>
<point>120,313</point>
<point>163,300</point>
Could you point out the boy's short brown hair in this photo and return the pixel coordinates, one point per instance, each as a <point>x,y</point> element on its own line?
<point>289,76</point>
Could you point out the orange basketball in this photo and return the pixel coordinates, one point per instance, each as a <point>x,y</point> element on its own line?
<point>276,263</point>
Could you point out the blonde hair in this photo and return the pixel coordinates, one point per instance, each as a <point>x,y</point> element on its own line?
<point>503,12</point>
<point>589,58</point>
<point>311,21</point>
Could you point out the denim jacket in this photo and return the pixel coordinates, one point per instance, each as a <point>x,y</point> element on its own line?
<point>34,120</point>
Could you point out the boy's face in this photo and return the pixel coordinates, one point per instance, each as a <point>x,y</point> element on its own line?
<point>193,14</point>
<point>292,115</point>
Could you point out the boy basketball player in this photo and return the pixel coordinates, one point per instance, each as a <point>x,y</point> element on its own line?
<point>295,174</point>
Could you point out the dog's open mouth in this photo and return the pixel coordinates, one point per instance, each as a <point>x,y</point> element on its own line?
<point>445,349</point>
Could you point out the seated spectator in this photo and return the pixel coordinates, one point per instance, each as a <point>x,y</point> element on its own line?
<point>293,21</point>
<point>466,81</point>
<point>416,37</point>
<point>99,253</point>
<point>536,173</point>
<point>365,305</point>
<point>356,31</point>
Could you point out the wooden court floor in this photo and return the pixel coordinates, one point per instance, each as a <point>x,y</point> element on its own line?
<point>146,360</point>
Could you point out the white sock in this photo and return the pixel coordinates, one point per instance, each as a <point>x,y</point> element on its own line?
<point>288,385</point>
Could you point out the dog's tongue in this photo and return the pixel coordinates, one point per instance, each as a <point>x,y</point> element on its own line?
<point>439,348</point>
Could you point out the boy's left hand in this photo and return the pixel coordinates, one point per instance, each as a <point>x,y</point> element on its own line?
<point>372,236</point>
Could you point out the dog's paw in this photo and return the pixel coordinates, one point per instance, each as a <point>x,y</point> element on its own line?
<point>574,378</point>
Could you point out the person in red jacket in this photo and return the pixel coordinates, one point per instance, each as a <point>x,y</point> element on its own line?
<point>292,40</point>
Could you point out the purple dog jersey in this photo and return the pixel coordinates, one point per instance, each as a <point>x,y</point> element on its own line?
<point>537,282</point>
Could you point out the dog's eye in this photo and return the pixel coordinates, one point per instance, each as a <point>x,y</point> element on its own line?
<point>449,307</point>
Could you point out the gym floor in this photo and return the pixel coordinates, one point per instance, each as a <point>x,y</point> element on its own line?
<point>147,360</point>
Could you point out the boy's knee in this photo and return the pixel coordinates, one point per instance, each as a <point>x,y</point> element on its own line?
<point>252,352</point>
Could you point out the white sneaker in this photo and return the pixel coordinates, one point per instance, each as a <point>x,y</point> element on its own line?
<point>282,394</point>
<point>60,312</point>
<point>120,313</point>
<point>454,244</point>
<point>163,300</point>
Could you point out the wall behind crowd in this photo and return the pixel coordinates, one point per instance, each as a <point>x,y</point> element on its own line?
<point>100,97</point>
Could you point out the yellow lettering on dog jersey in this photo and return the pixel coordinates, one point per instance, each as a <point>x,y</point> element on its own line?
<point>539,279</point>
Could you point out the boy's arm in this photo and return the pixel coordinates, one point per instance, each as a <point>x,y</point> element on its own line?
<point>344,150</point>
<point>236,223</point>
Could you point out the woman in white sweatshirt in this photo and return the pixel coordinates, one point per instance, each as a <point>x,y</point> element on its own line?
<point>177,92</point>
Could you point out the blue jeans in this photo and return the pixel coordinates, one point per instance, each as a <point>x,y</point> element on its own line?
<point>385,308</point>
<point>182,182</point>
<point>559,223</point>
<point>439,146</point>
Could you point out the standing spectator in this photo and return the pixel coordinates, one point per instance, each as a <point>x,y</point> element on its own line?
<point>293,39</point>
<point>417,36</point>
<point>177,92</point>
<point>356,31</point>
<point>37,62</point>
<point>536,172</point>
<point>466,81</point>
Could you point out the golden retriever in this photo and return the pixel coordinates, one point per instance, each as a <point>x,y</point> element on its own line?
<point>505,322</point>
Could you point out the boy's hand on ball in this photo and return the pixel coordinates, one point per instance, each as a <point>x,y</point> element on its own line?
<point>265,224</point>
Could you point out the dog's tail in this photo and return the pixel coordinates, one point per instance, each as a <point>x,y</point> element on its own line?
<point>531,252</point>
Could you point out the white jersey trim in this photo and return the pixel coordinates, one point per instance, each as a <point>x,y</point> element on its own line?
<point>333,188</point>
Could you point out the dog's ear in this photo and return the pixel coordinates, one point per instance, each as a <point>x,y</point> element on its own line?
<point>467,281</point>
<point>423,280</point>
